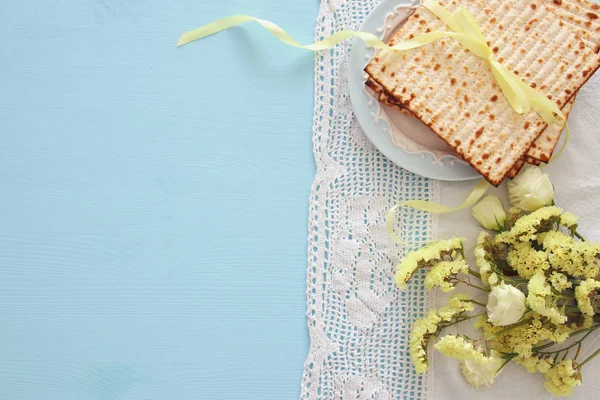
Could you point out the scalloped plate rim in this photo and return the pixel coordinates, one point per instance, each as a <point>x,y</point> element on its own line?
<point>448,167</point>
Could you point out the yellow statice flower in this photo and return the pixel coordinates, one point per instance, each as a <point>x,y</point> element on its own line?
<point>539,297</point>
<point>562,378</point>
<point>426,257</point>
<point>440,274</point>
<point>489,330</point>
<point>459,303</point>
<point>505,237</point>
<point>526,260</point>
<point>460,348</point>
<point>583,294</point>
<point>426,328</point>
<point>578,259</point>
<point>559,281</point>
<point>569,220</point>
<point>423,330</point>
<point>534,364</point>
<point>526,228</point>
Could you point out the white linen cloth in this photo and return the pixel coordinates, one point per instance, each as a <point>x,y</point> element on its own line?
<point>576,179</point>
<point>358,320</point>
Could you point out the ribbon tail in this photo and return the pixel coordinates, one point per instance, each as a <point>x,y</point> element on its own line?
<point>564,144</point>
<point>423,205</point>
<point>212,28</point>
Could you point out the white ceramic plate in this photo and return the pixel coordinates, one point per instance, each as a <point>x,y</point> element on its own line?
<point>404,140</point>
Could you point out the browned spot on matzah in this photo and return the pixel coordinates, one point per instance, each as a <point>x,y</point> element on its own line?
<point>479,131</point>
<point>592,15</point>
<point>452,81</point>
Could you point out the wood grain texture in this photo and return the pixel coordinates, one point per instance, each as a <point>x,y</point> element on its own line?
<point>154,201</point>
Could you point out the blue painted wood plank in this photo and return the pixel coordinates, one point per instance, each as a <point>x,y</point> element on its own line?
<point>154,201</point>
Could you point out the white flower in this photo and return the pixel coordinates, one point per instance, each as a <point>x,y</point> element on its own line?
<point>479,374</point>
<point>490,213</point>
<point>531,189</point>
<point>506,305</point>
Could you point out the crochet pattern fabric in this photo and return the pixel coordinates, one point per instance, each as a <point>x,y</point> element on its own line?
<point>359,322</point>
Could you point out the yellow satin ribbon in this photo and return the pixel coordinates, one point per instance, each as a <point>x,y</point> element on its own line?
<point>476,194</point>
<point>465,30</point>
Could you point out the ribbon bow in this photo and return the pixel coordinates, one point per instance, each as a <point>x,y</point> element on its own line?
<point>466,31</point>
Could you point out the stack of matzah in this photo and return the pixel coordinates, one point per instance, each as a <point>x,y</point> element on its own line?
<point>550,44</point>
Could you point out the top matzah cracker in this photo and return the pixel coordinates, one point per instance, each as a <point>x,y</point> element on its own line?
<point>581,16</point>
<point>455,94</point>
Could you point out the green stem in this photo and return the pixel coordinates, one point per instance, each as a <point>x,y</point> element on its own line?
<point>545,346</point>
<point>472,285</point>
<point>459,320</point>
<point>513,326</point>
<point>578,342</point>
<point>475,273</point>
<point>477,302</point>
<point>578,236</point>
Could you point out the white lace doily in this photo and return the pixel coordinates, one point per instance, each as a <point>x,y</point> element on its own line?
<point>359,323</point>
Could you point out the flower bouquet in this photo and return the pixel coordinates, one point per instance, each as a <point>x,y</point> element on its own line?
<point>541,280</point>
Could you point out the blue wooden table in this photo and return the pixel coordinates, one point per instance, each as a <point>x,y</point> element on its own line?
<point>153,209</point>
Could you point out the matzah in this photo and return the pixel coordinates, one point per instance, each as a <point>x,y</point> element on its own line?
<point>581,16</point>
<point>387,99</point>
<point>515,169</point>
<point>455,94</point>
<point>588,29</point>
<point>540,151</point>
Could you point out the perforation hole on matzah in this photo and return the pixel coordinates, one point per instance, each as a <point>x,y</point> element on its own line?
<point>455,94</point>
